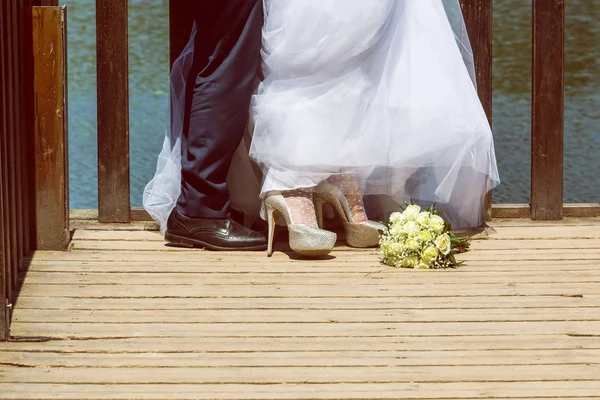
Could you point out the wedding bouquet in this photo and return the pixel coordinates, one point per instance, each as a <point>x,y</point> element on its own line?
<point>421,239</point>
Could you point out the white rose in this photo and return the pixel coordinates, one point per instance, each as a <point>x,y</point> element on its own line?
<point>443,244</point>
<point>411,211</point>
<point>437,223</point>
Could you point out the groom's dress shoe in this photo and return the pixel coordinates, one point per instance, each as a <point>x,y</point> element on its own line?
<point>213,234</point>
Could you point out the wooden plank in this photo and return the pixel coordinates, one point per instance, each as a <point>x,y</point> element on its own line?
<point>318,359</point>
<point>306,316</point>
<point>546,390</point>
<point>511,211</point>
<point>329,329</point>
<point>507,260</point>
<point>4,322</point>
<point>546,232</point>
<point>203,262</point>
<point>6,232</point>
<point>291,290</point>
<point>149,239</point>
<point>267,278</point>
<point>8,250</point>
<point>24,151</point>
<point>299,344</point>
<point>547,125</point>
<point>11,88</point>
<point>4,311</point>
<point>540,303</point>
<point>583,210</point>
<point>4,298</point>
<point>17,134</point>
<point>159,249</point>
<point>507,229</point>
<point>113,111</point>
<point>299,375</point>
<point>50,134</point>
<point>496,242</point>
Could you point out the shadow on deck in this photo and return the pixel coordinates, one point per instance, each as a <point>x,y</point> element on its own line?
<point>122,316</point>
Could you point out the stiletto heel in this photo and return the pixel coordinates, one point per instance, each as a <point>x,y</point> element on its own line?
<point>304,240</point>
<point>270,211</point>
<point>358,234</point>
<point>319,206</point>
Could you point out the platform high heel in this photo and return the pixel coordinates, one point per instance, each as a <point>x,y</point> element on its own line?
<point>305,237</point>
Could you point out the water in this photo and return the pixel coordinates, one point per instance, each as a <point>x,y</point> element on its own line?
<point>149,58</point>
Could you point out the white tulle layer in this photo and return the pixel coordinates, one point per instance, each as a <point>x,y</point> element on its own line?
<point>382,89</point>
<point>378,88</point>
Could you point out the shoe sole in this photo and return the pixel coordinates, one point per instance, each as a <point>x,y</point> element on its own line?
<point>181,241</point>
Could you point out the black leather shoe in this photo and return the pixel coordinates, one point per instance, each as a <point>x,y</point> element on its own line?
<point>213,234</point>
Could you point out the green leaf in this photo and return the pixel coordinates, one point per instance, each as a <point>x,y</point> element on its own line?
<point>453,259</point>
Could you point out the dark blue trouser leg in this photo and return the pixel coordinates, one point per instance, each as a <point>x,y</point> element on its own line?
<point>226,60</point>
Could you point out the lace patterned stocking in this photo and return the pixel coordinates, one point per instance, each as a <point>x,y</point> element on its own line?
<point>301,206</point>
<point>348,185</point>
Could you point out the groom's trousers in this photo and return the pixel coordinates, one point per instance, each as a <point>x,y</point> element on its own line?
<point>219,88</point>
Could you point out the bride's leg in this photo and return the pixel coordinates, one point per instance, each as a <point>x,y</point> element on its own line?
<point>348,185</point>
<point>301,206</point>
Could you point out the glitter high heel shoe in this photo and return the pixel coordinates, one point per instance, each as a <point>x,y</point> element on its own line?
<point>347,202</point>
<point>305,237</point>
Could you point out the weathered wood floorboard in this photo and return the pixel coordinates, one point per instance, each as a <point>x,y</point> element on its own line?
<point>122,316</point>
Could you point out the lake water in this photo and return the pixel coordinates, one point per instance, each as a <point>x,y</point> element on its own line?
<point>149,66</point>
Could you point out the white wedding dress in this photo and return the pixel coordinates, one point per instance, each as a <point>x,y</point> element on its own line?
<point>382,89</point>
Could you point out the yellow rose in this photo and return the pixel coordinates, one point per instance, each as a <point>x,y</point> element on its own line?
<point>413,245</point>
<point>412,211</point>
<point>443,244</point>
<point>425,236</point>
<point>398,230</point>
<point>437,223</point>
<point>429,254</point>
<point>410,228</point>
<point>409,262</point>
<point>395,217</point>
<point>384,247</point>
<point>422,265</point>
<point>396,248</point>
<point>423,218</point>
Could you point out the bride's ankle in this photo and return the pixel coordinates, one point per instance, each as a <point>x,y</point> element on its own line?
<point>301,206</point>
<point>348,185</point>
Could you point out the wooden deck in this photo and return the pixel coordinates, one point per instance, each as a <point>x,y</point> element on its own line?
<point>121,316</point>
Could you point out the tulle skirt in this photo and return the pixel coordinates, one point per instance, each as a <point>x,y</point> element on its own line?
<point>383,90</point>
<point>380,89</point>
